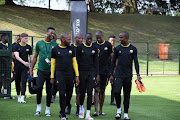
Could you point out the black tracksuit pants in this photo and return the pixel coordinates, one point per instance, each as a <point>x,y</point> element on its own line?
<point>21,75</point>
<point>126,83</point>
<point>65,87</point>
<point>42,77</point>
<point>87,83</point>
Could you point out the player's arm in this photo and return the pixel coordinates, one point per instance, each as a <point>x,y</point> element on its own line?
<point>96,65</point>
<point>53,65</point>
<point>20,60</point>
<point>136,63</point>
<point>75,66</point>
<point>113,65</point>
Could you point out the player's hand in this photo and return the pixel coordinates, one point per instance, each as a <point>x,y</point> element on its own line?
<point>139,78</point>
<point>97,79</point>
<point>111,79</point>
<point>52,81</point>
<point>26,64</point>
<point>31,72</point>
<point>77,81</point>
<point>49,63</point>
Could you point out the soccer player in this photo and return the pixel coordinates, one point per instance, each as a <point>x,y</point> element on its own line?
<point>79,40</point>
<point>43,50</point>
<point>3,62</point>
<point>13,57</point>
<point>105,56</point>
<point>112,41</point>
<point>21,52</point>
<point>87,57</point>
<point>63,61</point>
<point>125,53</point>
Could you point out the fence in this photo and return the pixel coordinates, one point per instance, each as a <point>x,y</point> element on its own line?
<point>148,54</point>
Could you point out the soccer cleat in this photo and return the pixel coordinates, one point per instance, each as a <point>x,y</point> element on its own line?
<point>47,114</point>
<point>63,118</point>
<point>118,116</point>
<point>127,118</point>
<point>95,114</point>
<point>142,86</point>
<point>138,85</point>
<point>112,103</point>
<point>89,118</point>
<point>81,115</point>
<point>38,113</point>
<point>77,113</point>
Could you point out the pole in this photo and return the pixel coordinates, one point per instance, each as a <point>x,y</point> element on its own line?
<point>32,43</point>
<point>147,59</point>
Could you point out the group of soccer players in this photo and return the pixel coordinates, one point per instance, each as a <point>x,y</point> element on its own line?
<point>84,64</point>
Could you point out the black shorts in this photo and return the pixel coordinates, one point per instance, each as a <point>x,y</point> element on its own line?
<point>103,82</point>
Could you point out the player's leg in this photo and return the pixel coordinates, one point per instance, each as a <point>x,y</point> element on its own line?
<point>96,98</point>
<point>48,94</point>
<point>127,83</point>
<point>24,76</point>
<point>17,82</point>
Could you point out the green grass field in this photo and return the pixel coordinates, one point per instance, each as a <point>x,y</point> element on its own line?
<point>161,101</point>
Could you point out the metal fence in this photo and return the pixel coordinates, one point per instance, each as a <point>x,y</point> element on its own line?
<point>148,54</point>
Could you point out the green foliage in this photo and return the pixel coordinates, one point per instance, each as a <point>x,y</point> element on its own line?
<point>2,2</point>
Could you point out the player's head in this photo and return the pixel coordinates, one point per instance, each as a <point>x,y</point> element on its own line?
<point>4,38</point>
<point>18,39</point>
<point>24,38</point>
<point>99,36</point>
<point>65,39</point>
<point>79,38</point>
<point>112,39</point>
<point>50,33</point>
<point>54,38</point>
<point>123,37</point>
<point>89,37</point>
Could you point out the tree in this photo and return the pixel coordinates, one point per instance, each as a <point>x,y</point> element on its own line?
<point>130,6</point>
<point>9,2</point>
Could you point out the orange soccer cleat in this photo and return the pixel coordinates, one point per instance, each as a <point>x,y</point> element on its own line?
<point>138,85</point>
<point>142,86</point>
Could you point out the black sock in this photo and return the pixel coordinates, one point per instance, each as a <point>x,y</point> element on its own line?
<point>77,109</point>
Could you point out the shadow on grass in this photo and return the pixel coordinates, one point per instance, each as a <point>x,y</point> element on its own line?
<point>142,107</point>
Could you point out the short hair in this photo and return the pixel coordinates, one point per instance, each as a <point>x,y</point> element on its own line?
<point>78,35</point>
<point>3,35</point>
<point>126,33</point>
<point>89,34</point>
<point>112,36</point>
<point>50,28</point>
<point>99,31</point>
<point>24,35</point>
<point>63,35</point>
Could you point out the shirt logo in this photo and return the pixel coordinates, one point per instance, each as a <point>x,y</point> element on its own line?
<point>70,51</point>
<point>93,51</point>
<point>52,46</point>
<point>19,49</point>
<point>42,46</point>
<point>82,51</point>
<point>57,82</point>
<point>27,49</point>
<point>119,51</point>
<point>131,51</point>
<point>106,48</point>
<point>58,52</point>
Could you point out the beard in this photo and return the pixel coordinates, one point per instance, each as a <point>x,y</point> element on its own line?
<point>66,43</point>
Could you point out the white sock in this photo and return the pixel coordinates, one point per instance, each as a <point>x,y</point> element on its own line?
<point>38,108</point>
<point>87,113</point>
<point>22,97</point>
<point>125,115</point>
<point>5,91</point>
<point>119,110</point>
<point>47,109</point>
<point>81,109</point>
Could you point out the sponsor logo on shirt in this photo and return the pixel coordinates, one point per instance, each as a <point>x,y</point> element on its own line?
<point>82,51</point>
<point>58,52</point>
<point>52,46</point>
<point>119,51</point>
<point>42,46</point>
<point>106,48</point>
<point>27,49</point>
<point>131,51</point>
<point>70,51</point>
<point>93,51</point>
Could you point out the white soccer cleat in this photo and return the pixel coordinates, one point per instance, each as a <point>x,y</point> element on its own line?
<point>19,98</point>
<point>89,118</point>
<point>38,113</point>
<point>22,99</point>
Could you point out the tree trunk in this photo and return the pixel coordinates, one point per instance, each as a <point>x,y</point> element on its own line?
<point>130,7</point>
<point>9,2</point>
<point>91,6</point>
